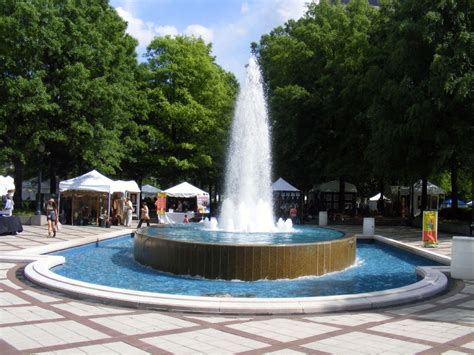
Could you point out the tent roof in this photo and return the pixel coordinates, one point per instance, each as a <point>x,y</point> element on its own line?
<point>333,186</point>
<point>432,188</point>
<point>377,197</point>
<point>185,190</point>
<point>283,185</point>
<point>450,202</point>
<point>125,186</point>
<point>91,181</point>
<point>6,184</point>
<point>149,189</point>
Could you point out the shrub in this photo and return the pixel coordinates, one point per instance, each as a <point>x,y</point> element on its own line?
<point>462,214</point>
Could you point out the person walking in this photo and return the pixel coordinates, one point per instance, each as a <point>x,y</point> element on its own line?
<point>294,214</point>
<point>128,208</point>
<point>144,215</point>
<point>52,217</point>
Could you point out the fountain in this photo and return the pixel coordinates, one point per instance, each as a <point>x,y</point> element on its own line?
<point>248,205</point>
<point>248,209</point>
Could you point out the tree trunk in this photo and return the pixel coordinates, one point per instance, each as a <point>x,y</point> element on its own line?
<point>18,176</point>
<point>424,195</point>
<point>52,180</point>
<point>342,192</point>
<point>381,204</point>
<point>472,195</point>
<point>454,183</point>
<point>301,203</point>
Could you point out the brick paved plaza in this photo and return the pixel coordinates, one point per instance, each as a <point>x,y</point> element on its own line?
<point>36,320</point>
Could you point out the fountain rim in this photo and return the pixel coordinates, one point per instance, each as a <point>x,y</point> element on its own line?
<point>433,282</point>
<point>159,236</point>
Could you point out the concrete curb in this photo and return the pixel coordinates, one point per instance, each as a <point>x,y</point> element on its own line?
<point>38,271</point>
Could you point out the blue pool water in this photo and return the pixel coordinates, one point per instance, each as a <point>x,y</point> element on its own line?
<point>195,232</point>
<point>111,263</point>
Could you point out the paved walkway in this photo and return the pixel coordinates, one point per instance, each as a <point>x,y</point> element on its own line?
<point>35,320</point>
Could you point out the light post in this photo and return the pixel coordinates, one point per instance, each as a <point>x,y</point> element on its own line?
<point>38,195</point>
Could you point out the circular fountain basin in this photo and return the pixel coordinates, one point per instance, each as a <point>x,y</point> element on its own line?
<point>229,256</point>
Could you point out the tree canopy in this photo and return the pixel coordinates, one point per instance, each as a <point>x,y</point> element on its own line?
<point>371,94</point>
<point>191,102</point>
<point>74,98</point>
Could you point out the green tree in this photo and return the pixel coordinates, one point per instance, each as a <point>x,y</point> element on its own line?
<point>314,68</point>
<point>423,75</point>
<point>191,102</point>
<point>67,82</point>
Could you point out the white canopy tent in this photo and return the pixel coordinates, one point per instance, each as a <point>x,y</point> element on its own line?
<point>431,188</point>
<point>149,191</point>
<point>185,190</point>
<point>125,186</point>
<point>6,184</point>
<point>91,181</point>
<point>377,197</point>
<point>434,194</point>
<point>333,186</point>
<point>96,182</point>
<point>283,186</point>
<point>374,200</point>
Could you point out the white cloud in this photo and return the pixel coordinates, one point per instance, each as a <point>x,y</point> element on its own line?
<point>290,9</point>
<point>200,31</point>
<point>145,32</point>
<point>136,28</point>
<point>231,39</point>
<point>244,8</point>
<point>166,31</point>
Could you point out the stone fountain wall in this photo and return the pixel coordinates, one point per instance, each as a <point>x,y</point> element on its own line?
<point>244,262</point>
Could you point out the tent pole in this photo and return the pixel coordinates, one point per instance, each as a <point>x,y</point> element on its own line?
<point>72,209</point>
<point>138,206</point>
<point>98,212</point>
<point>108,207</point>
<point>59,203</point>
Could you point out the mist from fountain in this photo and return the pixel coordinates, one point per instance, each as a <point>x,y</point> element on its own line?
<point>248,203</point>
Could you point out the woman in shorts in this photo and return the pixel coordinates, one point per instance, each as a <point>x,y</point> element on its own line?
<point>52,217</point>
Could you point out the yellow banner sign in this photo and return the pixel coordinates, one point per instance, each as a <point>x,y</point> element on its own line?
<point>430,229</point>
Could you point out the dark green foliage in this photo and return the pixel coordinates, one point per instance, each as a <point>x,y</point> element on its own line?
<point>191,103</point>
<point>315,68</point>
<point>372,95</point>
<point>67,82</point>
<point>461,214</point>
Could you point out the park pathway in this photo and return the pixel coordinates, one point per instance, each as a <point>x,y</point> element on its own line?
<point>36,320</point>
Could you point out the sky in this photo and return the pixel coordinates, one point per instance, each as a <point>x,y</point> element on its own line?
<point>230,25</point>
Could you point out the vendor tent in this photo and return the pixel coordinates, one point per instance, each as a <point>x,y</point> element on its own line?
<point>125,186</point>
<point>6,184</point>
<point>333,186</point>
<point>431,188</point>
<point>185,190</point>
<point>328,195</point>
<point>449,202</point>
<point>374,200</point>
<point>435,194</point>
<point>150,191</point>
<point>283,186</point>
<point>91,181</point>
<point>377,197</point>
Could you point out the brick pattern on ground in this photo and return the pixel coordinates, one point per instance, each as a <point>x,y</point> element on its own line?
<point>35,320</point>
